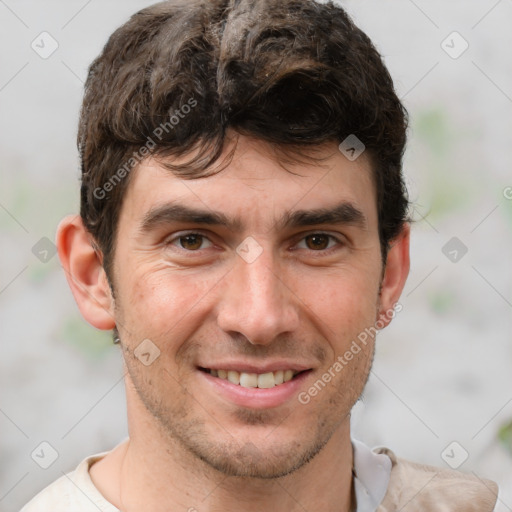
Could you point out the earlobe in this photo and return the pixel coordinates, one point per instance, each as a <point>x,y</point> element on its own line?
<point>84,273</point>
<point>395,274</point>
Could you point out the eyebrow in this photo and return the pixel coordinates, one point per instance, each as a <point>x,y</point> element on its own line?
<point>344,213</point>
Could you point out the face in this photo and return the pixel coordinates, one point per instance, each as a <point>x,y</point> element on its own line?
<point>251,292</point>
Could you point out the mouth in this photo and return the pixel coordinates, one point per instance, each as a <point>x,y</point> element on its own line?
<point>265,380</point>
<point>255,386</point>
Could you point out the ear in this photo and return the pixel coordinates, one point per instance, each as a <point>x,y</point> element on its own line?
<point>395,275</point>
<point>85,274</point>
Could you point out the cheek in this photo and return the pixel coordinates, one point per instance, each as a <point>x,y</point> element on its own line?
<point>341,304</point>
<point>160,304</point>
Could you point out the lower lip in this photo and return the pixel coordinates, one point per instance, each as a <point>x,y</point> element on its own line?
<point>256,398</point>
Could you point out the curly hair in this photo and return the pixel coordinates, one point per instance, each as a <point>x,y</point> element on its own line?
<point>293,73</point>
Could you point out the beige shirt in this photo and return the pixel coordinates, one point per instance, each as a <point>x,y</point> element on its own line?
<point>382,483</point>
<point>416,487</point>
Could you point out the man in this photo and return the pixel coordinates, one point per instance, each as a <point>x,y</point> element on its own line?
<point>243,232</point>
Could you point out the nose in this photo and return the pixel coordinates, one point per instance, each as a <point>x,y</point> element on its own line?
<point>256,302</point>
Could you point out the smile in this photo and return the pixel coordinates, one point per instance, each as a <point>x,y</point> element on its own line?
<point>272,386</point>
<point>254,380</point>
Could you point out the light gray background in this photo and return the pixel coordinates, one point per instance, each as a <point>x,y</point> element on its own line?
<point>443,368</point>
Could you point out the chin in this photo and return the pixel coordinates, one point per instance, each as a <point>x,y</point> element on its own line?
<point>268,454</point>
<point>249,461</point>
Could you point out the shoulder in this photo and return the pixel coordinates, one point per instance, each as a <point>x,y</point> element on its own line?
<point>72,492</point>
<point>59,493</point>
<point>414,486</point>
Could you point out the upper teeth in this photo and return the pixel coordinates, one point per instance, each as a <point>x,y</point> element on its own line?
<point>255,380</point>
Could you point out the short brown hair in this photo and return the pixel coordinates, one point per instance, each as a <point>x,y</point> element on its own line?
<point>293,73</point>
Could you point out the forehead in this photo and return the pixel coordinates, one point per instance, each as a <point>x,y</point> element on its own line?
<point>255,189</point>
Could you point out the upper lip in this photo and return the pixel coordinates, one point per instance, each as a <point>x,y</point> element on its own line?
<point>243,367</point>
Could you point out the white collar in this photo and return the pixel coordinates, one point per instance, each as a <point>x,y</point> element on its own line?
<point>371,476</point>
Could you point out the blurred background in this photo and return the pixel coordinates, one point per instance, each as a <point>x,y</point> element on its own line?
<point>441,388</point>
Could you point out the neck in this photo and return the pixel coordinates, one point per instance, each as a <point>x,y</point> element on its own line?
<point>154,472</point>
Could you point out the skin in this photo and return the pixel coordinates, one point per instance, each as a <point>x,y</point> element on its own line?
<point>303,299</point>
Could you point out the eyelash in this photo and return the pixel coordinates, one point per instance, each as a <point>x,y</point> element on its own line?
<point>324,251</point>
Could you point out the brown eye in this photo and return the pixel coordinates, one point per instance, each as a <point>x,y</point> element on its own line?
<point>317,241</point>
<point>191,242</point>
<point>321,243</point>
